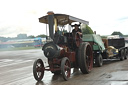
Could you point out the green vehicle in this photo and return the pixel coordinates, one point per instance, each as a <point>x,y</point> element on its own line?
<point>106,48</point>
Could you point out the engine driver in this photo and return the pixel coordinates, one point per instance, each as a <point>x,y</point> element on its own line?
<point>77,30</point>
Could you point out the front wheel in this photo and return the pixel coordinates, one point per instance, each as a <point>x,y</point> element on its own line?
<point>65,68</point>
<point>99,60</point>
<point>38,69</point>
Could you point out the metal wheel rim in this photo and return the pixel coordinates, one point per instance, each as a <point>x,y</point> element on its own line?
<point>39,69</point>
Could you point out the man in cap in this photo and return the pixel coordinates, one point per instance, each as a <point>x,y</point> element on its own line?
<point>77,30</point>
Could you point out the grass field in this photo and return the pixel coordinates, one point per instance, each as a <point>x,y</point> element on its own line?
<point>18,48</point>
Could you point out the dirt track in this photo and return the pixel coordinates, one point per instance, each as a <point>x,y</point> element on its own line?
<point>16,69</point>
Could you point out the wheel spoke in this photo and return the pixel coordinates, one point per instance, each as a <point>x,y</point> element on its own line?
<point>67,69</point>
<point>38,74</point>
<point>88,62</point>
<point>39,67</point>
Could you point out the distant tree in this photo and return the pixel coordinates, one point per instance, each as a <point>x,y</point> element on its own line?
<point>3,39</point>
<point>43,36</point>
<point>103,36</point>
<point>117,33</point>
<point>86,29</point>
<point>31,36</point>
<point>125,35</point>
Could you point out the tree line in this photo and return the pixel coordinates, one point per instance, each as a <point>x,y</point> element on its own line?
<point>85,30</point>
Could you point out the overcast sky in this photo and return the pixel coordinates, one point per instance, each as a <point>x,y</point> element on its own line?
<point>21,16</point>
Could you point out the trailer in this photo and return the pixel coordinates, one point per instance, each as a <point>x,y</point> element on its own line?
<point>106,48</point>
<point>116,48</point>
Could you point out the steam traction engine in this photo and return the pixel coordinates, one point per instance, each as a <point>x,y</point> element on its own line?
<point>63,50</point>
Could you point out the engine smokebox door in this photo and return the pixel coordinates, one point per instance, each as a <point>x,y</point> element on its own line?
<point>51,50</point>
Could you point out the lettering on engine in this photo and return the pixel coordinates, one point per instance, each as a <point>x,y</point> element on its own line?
<point>49,47</point>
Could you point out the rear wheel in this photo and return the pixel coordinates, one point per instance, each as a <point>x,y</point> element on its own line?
<point>99,60</point>
<point>38,69</point>
<point>85,57</point>
<point>126,52</point>
<point>122,55</point>
<point>65,68</point>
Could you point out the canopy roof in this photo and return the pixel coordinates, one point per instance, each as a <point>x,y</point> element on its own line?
<point>63,19</point>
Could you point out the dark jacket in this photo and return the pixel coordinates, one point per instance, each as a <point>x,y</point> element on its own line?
<point>75,31</point>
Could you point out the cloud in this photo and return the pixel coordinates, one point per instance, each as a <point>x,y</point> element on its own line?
<point>21,16</point>
<point>123,18</point>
